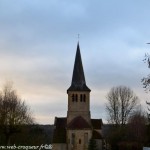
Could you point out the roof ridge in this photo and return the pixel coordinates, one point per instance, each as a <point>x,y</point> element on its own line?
<point>78,123</point>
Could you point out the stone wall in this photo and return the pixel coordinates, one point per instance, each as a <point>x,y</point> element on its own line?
<point>99,144</point>
<point>78,107</point>
<point>80,142</point>
<point>59,146</point>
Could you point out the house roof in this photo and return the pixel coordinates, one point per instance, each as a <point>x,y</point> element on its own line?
<point>59,135</point>
<point>78,79</point>
<point>79,123</point>
<point>97,123</point>
<point>96,135</point>
<point>60,122</point>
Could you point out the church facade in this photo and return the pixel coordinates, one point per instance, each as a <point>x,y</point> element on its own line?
<point>75,131</point>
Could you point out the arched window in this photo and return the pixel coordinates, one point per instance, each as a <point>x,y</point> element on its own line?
<point>79,141</point>
<point>84,98</point>
<point>81,98</point>
<point>73,139</point>
<point>76,97</point>
<point>73,98</point>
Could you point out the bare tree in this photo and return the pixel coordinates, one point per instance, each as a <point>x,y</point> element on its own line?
<point>137,127</point>
<point>13,112</point>
<point>146,80</point>
<point>148,107</point>
<point>120,105</point>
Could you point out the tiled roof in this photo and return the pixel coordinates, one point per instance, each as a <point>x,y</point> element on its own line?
<point>96,123</point>
<point>79,123</point>
<point>96,135</point>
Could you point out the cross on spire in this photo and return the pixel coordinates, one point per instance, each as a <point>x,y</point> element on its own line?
<point>78,36</point>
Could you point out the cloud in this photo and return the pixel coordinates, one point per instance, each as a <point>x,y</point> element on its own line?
<point>38,43</point>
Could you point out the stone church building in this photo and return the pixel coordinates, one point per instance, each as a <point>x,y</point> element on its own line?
<point>75,131</point>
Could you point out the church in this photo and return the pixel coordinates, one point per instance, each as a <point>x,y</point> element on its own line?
<point>75,131</point>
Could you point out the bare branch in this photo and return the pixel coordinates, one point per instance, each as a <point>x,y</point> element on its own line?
<point>13,111</point>
<point>121,103</point>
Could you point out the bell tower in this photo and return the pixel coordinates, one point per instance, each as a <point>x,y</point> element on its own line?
<point>78,92</point>
<point>75,131</point>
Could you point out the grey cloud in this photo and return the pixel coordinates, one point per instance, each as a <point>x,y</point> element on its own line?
<point>38,42</point>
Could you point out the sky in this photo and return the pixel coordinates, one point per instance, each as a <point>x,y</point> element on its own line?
<point>38,41</point>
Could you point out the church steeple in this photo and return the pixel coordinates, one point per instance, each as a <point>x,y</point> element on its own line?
<point>78,79</point>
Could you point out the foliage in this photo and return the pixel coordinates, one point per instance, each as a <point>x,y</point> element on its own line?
<point>146,80</point>
<point>148,111</point>
<point>137,127</point>
<point>116,135</point>
<point>132,135</point>
<point>121,103</point>
<point>92,145</point>
<point>13,112</point>
<point>148,135</point>
<point>129,146</point>
<point>30,135</point>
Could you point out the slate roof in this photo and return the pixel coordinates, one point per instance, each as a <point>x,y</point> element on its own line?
<point>60,122</point>
<point>79,123</point>
<point>97,123</point>
<point>78,79</point>
<point>96,135</point>
<point>59,135</point>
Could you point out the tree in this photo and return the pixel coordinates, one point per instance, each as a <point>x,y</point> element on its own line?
<point>116,134</point>
<point>146,80</point>
<point>148,126</point>
<point>121,103</point>
<point>13,112</point>
<point>92,145</point>
<point>148,111</point>
<point>137,127</point>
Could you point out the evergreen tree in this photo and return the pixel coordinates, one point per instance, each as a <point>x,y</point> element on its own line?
<point>92,145</point>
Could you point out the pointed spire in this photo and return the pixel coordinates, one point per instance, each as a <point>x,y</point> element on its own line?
<point>78,73</point>
<point>78,79</point>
